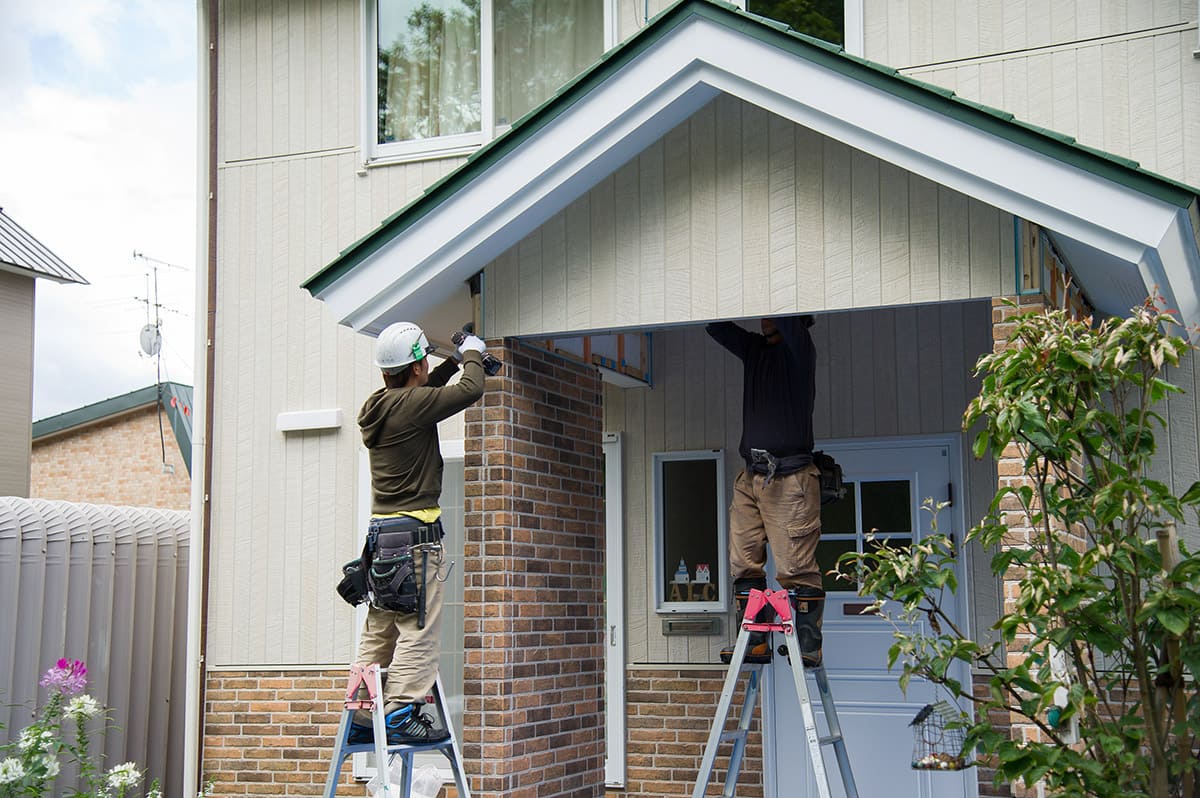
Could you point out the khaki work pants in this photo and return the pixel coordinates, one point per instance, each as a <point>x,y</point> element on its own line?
<point>786,514</point>
<point>409,654</point>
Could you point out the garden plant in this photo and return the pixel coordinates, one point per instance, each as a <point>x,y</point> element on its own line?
<point>1097,648</point>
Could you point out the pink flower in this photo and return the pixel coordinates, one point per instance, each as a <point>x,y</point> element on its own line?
<point>69,677</point>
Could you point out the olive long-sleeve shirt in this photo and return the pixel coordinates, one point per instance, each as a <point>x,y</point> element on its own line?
<point>399,429</point>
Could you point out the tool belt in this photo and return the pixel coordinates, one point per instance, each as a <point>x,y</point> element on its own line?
<point>763,462</point>
<point>391,571</point>
<point>829,476</point>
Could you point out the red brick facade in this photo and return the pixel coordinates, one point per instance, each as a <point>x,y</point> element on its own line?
<point>534,559</point>
<point>117,460</point>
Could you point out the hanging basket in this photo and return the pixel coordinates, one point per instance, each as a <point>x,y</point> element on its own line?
<point>938,743</point>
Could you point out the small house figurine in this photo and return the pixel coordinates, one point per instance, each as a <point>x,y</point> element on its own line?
<point>702,573</point>
<point>681,573</point>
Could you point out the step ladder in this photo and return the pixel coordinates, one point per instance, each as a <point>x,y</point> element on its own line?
<point>778,600</point>
<point>368,676</point>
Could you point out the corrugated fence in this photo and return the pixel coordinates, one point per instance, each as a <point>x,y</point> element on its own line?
<point>106,585</point>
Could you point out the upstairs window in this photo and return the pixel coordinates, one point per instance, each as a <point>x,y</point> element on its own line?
<point>451,74</point>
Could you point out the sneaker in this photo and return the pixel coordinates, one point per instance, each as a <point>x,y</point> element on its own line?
<point>408,725</point>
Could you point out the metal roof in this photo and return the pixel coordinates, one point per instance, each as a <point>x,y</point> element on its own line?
<point>176,399</point>
<point>940,100</point>
<point>23,254</point>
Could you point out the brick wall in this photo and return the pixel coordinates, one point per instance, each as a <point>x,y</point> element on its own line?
<point>272,733</point>
<point>534,557</point>
<point>668,717</point>
<point>114,461</point>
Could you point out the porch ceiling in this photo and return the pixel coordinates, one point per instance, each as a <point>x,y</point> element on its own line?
<point>1125,230</point>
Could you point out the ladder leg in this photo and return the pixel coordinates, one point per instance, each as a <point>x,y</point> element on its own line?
<point>811,735</point>
<point>339,756</point>
<point>452,752</point>
<point>835,731</point>
<point>714,735</point>
<point>743,729</point>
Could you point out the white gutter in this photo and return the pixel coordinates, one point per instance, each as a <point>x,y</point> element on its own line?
<point>193,711</point>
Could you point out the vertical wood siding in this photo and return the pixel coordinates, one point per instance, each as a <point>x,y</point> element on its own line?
<point>904,33</point>
<point>106,585</point>
<point>739,213</point>
<point>891,372</point>
<point>1137,96</point>
<point>16,390</point>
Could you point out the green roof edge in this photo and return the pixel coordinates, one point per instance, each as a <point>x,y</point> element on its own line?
<point>106,408</point>
<point>989,119</point>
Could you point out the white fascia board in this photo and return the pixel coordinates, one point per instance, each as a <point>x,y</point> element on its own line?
<point>666,85</point>
<point>1173,269</point>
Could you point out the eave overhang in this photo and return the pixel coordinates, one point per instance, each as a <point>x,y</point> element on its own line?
<point>1137,230</point>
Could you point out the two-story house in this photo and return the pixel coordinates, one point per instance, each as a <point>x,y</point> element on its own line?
<point>593,181</point>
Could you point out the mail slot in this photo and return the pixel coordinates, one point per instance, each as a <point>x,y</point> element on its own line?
<point>859,608</point>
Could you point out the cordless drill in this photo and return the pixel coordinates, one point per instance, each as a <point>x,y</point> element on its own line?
<point>491,363</point>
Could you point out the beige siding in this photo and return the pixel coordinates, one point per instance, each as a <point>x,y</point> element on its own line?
<point>16,389</point>
<point>740,213</point>
<point>292,498</point>
<point>1137,96</point>
<point>904,33</point>
<point>893,372</point>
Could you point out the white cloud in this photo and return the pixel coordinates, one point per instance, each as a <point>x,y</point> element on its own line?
<point>95,177</point>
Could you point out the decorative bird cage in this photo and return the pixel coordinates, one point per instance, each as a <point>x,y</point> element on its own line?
<point>938,738</point>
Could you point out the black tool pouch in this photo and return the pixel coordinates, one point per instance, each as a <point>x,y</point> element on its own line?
<point>392,575</point>
<point>353,587</point>
<point>830,478</point>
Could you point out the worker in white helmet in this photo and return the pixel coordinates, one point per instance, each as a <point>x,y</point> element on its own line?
<point>399,428</point>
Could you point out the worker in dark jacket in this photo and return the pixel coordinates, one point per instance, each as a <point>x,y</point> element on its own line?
<point>777,497</point>
<point>399,428</point>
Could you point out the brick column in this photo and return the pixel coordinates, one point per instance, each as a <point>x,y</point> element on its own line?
<point>534,558</point>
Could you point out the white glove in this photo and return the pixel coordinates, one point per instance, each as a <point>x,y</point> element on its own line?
<point>472,343</point>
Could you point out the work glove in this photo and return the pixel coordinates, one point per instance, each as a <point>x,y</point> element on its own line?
<point>471,343</point>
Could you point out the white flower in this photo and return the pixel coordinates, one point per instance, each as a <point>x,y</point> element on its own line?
<point>81,707</point>
<point>31,739</point>
<point>50,763</point>
<point>154,793</point>
<point>124,776</point>
<point>11,770</point>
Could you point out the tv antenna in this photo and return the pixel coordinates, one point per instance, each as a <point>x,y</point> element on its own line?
<point>150,338</point>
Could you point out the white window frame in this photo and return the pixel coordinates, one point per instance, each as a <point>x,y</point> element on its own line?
<point>440,146</point>
<point>721,605</point>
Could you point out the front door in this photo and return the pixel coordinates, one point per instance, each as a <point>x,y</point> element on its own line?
<point>886,483</point>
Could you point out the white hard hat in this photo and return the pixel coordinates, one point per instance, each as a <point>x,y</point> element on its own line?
<point>400,344</point>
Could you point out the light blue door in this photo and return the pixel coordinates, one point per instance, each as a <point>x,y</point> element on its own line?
<point>886,484</point>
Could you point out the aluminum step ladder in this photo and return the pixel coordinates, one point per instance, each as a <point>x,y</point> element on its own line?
<point>778,600</point>
<point>368,676</point>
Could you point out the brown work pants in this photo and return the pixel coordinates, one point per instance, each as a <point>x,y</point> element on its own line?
<point>409,654</point>
<point>785,514</point>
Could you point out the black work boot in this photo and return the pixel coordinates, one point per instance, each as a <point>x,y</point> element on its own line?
<point>808,606</point>
<point>759,648</point>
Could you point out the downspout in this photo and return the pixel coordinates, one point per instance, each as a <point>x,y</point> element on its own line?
<point>206,283</point>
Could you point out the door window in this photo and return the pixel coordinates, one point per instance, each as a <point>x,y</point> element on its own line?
<point>884,505</point>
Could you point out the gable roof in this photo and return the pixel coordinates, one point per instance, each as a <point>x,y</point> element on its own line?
<point>1134,228</point>
<point>21,253</point>
<point>175,398</point>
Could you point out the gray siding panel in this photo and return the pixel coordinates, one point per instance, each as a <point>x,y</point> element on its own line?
<point>866,366</point>
<point>16,389</point>
<point>106,585</point>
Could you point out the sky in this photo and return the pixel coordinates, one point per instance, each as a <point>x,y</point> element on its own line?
<point>98,161</point>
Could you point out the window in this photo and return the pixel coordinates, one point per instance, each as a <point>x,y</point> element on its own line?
<point>449,73</point>
<point>884,506</point>
<point>820,18</point>
<point>690,534</point>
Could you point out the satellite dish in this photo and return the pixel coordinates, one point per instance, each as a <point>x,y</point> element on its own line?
<point>151,339</point>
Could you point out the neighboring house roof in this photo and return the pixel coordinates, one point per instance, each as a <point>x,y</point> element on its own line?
<point>175,398</point>
<point>1131,229</point>
<point>21,253</point>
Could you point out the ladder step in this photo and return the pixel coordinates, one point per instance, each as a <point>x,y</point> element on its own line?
<point>830,740</point>
<point>736,734</point>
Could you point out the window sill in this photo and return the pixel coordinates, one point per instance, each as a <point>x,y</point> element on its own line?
<point>413,156</point>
